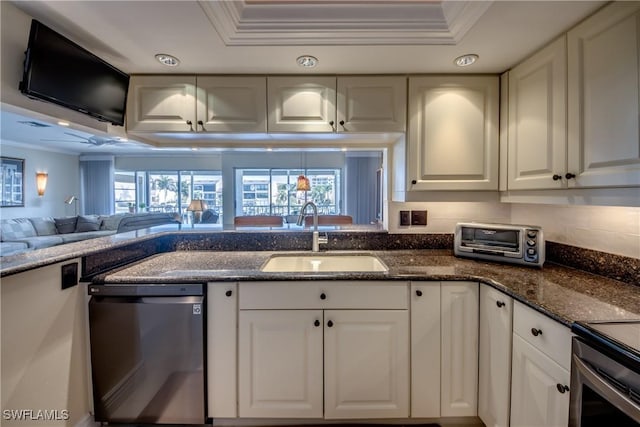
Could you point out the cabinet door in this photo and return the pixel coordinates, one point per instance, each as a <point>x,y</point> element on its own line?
<point>301,104</point>
<point>222,312</point>
<point>538,120</point>
<point>372,104</point>
<point>535,396</point>
<point>459,388</point>
<point>366,364</point>
<point>232,104</point>
<point>494,377</point>
<point>604,108</point>
<point>425,349</point>
<point>161,104</point>
<point>453,133</point>
<point>280,364</point>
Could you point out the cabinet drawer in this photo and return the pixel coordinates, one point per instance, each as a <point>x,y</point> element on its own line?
<point>553,338</point>
<point>323,295</point>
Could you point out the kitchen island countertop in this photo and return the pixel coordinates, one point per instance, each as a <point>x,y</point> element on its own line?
<point>563,293</point>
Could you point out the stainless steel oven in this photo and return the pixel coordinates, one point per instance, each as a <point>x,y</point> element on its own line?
<point>605,375</point>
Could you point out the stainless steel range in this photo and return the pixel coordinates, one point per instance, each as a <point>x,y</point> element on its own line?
<point>605,374</point>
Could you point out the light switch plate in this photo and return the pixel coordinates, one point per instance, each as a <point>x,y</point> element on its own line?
<point>418,217</point>
<point>405,218</point>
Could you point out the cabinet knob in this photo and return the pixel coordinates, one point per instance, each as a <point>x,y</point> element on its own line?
<point>190,123</point>
<point>228,293</point>
<point>323,296</point>
<point>201,123</point>
<point>330,324</point>
<point>500,304</point>
<point>331,123</point>
<point>557,177</point>
<point>316,323</point>
<point>570,175</point>
<point>341,122</point>
<point>414,182</point>
<point>419,293</point>
<point>535,332</point>
<point>562,388</point>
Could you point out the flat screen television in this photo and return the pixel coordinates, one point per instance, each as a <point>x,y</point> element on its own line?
<point>59,71</point>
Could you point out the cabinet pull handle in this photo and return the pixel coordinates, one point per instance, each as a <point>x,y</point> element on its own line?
<point>330,324</point>
<point>228,293</point>
<point>557,177</point>
<point>570,175</point>
<point>500,304</point>
<point>201,123</point>
<point>323,296</point>
<point>316,323</point>
<point>562,388</point>
<point>536,332</point>
<point>419,293</point>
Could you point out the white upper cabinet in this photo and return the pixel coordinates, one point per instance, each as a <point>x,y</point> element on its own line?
<point>453,133</point>
<point>301,104</point>
<point>161,104</point>
<point>342,104</point>
<point>196,104</point>
<point>604,107</point>
<point>372,104</point>
<point>537,120</point>
<point>232,104</point>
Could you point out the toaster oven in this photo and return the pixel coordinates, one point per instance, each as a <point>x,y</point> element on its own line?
<point>518,244</point>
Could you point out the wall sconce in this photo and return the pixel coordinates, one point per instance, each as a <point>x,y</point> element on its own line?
<point>41,182</point>
<point>197,207</point>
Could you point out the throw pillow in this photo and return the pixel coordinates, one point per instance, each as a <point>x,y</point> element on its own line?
<point>87,223</point>
<point>66,225</point>
<point>45,226</point>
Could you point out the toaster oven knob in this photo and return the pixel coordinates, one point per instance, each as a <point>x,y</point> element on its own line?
<point>532,234</point>
<point>531,251</point>
<point>531,242</point>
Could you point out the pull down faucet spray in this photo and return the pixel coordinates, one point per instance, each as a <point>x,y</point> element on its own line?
<point>317,240</point>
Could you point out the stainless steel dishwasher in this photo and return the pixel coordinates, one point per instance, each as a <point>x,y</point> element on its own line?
<point>147,353</point>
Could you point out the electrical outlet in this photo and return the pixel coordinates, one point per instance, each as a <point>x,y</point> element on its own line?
<point>418,217</point>
<point>405,218</point>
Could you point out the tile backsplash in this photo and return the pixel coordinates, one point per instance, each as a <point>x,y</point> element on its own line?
<point>610,229</point>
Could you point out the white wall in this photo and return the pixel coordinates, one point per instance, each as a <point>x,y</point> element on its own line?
<point>611,229</point>
<point>64,180</point>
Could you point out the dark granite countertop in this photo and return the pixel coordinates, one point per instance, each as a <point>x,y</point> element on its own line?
<point>562,293</point>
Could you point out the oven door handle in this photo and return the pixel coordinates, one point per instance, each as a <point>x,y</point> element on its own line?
<point>606,390</point>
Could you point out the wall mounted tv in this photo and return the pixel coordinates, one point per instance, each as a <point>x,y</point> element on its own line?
<point>59,71</point>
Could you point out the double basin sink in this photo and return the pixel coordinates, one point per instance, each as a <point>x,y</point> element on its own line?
<point>323,263</point>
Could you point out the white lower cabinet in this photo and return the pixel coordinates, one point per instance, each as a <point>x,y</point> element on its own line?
<point>322,361</point>
<point>536,398</point>
<point>222,314</point>
<point>366,364</point>
<point>494,377</point>
<point>459,367</point>
<point>280,363</point>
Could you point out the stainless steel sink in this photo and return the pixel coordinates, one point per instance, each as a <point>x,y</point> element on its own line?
<point>324,263</point>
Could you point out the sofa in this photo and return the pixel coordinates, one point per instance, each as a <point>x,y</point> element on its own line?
<point>25,234</point>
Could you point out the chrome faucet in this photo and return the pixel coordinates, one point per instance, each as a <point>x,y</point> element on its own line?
<point>315,246</point>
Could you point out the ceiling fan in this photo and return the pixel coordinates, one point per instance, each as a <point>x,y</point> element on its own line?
<point>91,140</point>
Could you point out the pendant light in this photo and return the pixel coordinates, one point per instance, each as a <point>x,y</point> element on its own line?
<point>302,183</point>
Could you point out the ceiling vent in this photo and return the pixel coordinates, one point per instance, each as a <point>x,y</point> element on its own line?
<point>34,124</point>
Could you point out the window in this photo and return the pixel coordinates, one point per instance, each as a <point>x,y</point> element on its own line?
<point>167,191</point>
<point>273,191</point>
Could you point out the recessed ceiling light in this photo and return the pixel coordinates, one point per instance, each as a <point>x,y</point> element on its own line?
<point>168,60</point>
<point>465,60</point>
<point>62,123</point>
<point>307,61</point>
